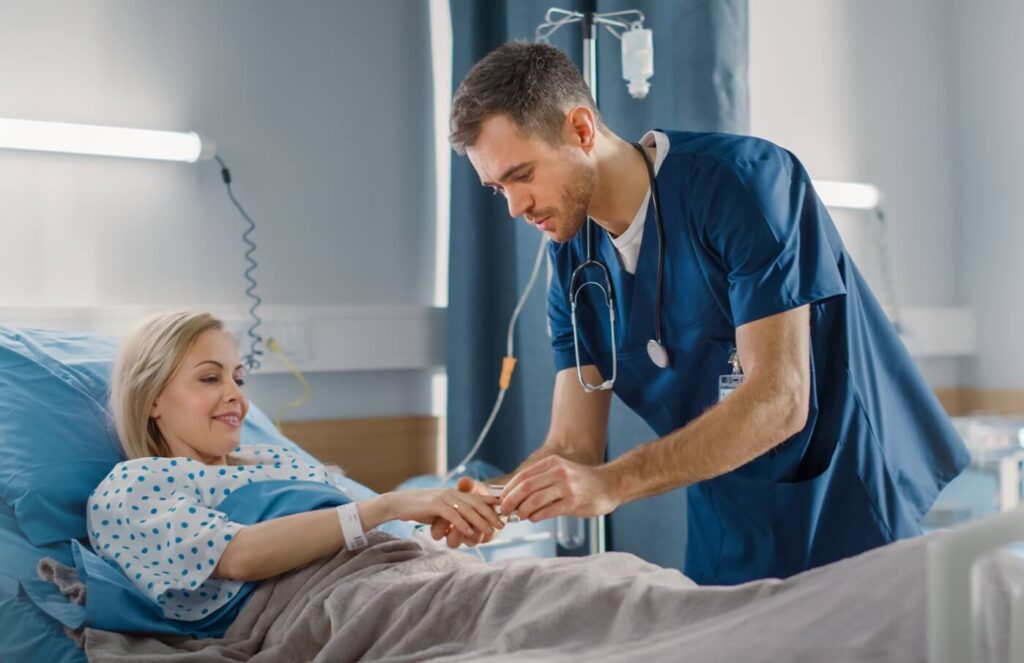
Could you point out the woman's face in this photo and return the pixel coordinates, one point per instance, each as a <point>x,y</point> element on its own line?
<point>200,411</point>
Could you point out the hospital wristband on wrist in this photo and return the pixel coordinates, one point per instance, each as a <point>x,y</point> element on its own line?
<point>351,527</point>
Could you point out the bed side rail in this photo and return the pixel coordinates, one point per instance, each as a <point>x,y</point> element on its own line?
<point>953,604</point>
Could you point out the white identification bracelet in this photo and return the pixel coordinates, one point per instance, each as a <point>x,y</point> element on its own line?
<point>351,526</point>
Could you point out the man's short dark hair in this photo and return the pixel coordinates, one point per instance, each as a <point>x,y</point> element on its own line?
<point>532,84</point>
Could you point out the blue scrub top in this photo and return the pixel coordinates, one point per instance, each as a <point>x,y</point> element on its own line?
<point>746,237</point>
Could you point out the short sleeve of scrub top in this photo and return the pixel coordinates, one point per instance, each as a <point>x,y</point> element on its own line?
<point>771,231</point>
<point>560,317</point>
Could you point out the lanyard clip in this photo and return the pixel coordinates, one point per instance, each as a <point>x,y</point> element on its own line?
<point>734,359</point>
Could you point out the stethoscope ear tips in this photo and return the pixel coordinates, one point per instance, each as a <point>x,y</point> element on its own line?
<point>658,354</point>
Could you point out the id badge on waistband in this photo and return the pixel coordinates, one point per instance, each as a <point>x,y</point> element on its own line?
<point>728,384</point>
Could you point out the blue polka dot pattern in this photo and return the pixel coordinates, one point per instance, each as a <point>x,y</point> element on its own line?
<point>165,497</point>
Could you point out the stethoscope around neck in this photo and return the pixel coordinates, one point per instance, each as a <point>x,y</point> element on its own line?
<point>655,347</point>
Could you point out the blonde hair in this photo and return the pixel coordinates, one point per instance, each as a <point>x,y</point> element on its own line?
<point>146,362</point>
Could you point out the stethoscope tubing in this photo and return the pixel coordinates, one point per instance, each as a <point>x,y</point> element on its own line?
<point>658,354</point>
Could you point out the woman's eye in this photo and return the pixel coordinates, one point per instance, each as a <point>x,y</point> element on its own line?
<point>209,380</point>
<point>525,177</point>
<point>240,381</point>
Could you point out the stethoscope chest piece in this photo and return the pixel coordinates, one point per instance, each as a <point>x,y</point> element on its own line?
<point>658,354</point>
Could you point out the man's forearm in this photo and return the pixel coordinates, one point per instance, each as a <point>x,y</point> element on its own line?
<point>550,448</point>
<point>754,419</point>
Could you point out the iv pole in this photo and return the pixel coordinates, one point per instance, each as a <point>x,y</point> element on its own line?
<point>597,534</point>
<point>612,21</point>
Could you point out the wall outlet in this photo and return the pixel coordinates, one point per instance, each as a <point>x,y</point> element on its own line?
<point>292,336</point>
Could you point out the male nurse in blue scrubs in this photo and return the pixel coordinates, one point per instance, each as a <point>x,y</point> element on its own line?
<point>788,405</point>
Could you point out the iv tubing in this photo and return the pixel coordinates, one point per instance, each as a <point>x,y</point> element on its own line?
<point>508,362</point>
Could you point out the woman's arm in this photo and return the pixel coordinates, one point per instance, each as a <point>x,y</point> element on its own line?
<point>277,546</point>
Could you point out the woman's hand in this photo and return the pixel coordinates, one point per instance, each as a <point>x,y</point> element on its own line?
<point>471,514</point>
<point>443,529</point>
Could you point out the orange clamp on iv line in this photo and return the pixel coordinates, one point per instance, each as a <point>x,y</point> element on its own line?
<point>508,365</point>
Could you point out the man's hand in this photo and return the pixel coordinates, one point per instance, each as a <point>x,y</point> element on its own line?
<point>555,486</point>
<point>442,528</point>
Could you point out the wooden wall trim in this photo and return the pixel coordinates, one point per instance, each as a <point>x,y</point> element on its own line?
<point>383,452</point>
<point>950,400</point>
<point>379,452</point>
<point>960,401</point>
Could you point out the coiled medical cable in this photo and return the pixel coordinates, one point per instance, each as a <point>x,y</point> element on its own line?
<point>508,363</point>
<point>251,358</point>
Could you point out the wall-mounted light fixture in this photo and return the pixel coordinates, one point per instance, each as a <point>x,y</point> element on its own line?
<point>95,140</point>
<point>104,141</point>
<point>848,195</point>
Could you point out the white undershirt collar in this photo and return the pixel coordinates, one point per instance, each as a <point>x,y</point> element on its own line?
<point>627,245</point>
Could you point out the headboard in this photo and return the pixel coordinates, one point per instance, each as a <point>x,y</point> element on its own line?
<point>379,452</point>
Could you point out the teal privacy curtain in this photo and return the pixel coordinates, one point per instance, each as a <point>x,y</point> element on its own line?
<point>699,84</point>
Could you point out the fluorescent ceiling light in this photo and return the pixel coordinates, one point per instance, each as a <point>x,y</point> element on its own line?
<point>104,141</point>
<point>849,195</point>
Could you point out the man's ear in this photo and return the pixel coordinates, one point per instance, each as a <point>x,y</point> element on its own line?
<point>581,127</point>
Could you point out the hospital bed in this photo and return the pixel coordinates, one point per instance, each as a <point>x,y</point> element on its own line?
<point>942,596</point>
<point>394,601</point>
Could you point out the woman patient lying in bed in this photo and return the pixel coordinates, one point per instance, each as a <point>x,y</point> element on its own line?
<point>171,520</point>
<point>178,407</point>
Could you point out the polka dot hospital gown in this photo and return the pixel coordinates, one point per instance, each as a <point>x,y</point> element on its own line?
<point>157,519</point>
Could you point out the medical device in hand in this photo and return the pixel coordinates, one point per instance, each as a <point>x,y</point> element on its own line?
<point>570,531</point>
<point>496,491</point>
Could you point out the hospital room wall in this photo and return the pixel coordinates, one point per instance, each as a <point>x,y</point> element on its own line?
<point>860,90</point>
<point>989,140</point>
<point>319,113</point>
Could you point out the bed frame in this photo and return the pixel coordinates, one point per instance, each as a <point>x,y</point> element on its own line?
<point>953,595</point>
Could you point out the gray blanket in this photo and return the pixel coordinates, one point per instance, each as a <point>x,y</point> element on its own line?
<point>395,601</point>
